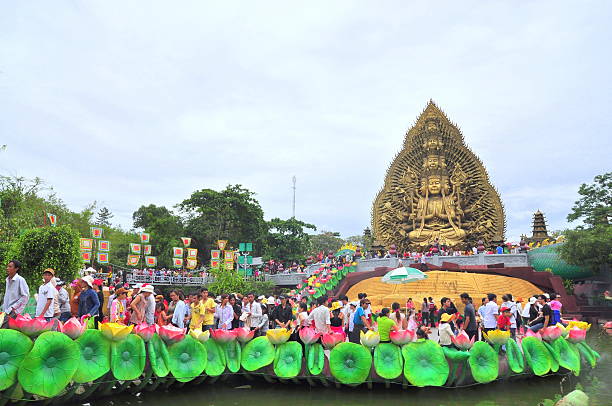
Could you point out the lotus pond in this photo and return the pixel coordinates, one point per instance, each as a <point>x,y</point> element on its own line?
<point>531,391</point>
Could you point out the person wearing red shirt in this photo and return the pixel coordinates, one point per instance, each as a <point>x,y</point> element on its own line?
<point>503,321</point>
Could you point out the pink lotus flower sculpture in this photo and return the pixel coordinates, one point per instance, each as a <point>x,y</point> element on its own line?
<point>171,334</point>
<point>330,340</point>
<point>462,341</point>
<point>576,335</point>
<point>551,333</point>
<point>29,326</point>
<point>145,331</point>
<point>402,337</point>
<point>73,328</point>
<point>309,335</point>
<point>530,333</point>
<point>223,336</point>
<point>244,334</point>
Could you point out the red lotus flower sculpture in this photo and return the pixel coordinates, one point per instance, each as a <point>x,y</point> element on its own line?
<point>462,341</point>
<point>309,335</point>
<point>145,331</point>
<point>551,333</point>
<point>330,340</point>
<point>244,334</point>
<point>171,334</point>
<point>29,326</point>
<point>530,333</point>
<point>223,336</point>
<point>576,335</point>
<point>73,328</point>
<point>402,337</point>
<point>312,291</point>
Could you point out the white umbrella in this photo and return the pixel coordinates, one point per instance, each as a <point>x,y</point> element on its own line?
<point>403,275</point>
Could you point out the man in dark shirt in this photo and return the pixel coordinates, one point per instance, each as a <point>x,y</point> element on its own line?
<point>544,317</point>
<point>283,313</point>
<point>469,316</point>
<point>449,308</point>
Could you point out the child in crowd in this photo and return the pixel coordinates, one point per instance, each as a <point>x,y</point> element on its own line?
<point>503,321</point>
<point>444,330</point>
<point>555,306</point>
<point>412,324</point>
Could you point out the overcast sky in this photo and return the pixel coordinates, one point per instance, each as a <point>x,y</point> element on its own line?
<point>140,102</point>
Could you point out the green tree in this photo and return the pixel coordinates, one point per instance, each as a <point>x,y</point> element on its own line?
<point>595,204</point>
<point>166,229</point>
<point>104,216</point>
<point>326,241</point>
<point>46,247</point>
<point>287,240</point>
<point>358,240</point>
<point>232,214</point>
<point>591,244</point>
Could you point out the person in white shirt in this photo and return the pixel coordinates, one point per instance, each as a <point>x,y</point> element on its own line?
<point>490,313</point>
<point>251,312</point>
<point>320,316</point>
<point>510,304</point>
<point>46,296</point>
<point>16,292</point>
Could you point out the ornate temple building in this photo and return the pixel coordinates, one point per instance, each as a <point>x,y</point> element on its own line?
<point>436,191</point>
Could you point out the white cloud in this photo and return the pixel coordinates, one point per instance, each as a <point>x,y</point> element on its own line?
<point>145,102</point>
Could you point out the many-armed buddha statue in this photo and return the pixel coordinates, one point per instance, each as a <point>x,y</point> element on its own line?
<point>436,191</point>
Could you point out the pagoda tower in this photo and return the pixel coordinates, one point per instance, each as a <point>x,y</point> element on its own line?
<point>539,233</point>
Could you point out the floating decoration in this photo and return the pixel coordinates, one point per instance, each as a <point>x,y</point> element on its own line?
<point>135,248</point>
<point>177,252</point>
<point>96,232</point>
<point>278,335</point>
<point>288,360</point>
<point>147,249</point>
<point>104,245</point>
<point>186,241</point>
<point>188,359</point>
<point>95,356</point>
<point>145,238</point>
<point>86,244</point>
<point>151,261</point>
<point>257,353</point>
<point>388,360</point>
<point>128,357</point>
<point>425,364</point>
<point>102,257</point>
<point>133,260</point>
<point>201,336</point>
<point>14,346</point>
<point>350,363</point>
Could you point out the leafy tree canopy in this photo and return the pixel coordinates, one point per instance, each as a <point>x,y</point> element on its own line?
<point>326,241</point>
<point>166,229</point>
<point>287,239</point>
<point>595,204</point>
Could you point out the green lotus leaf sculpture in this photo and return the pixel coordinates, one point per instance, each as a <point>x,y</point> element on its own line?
<point>425,364</point>
<point>158,356</point>
<point>50,365</point>
<point>95,356</point>
<point>128,357</point>
<point>454,355</point>
<point>388,362</point>
<point>315,358</point>
<point>554,357</point>
<point>350,363</point>
<point>258,353</point>
<point>537,356</point>
<point>516,361</point>
<point>14,346</point>
<point>568,356</point>
<point>188,359</point>
<point>587,353</point>
<point>233,355</point>
<point>215,365</point>
<point>288,359</point>
<point>484,362</point>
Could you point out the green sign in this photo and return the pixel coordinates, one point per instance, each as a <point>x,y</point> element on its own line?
<point>249,260</point>
<point>245,247</point>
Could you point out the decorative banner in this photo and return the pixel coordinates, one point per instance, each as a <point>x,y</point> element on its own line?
<point>52,219</point>
<point>96,232</point>
<point>178,262</point>
<point>186,241</point>
<point>215,254</point>
<point>135,248</point>
<point>177,252</point>
<point>145,237</point>
<point>229,265</point>
<point>221,244</point>
<point>191,263</point>
<point>214,263</point>
<point>151,261</point>
<point>228,256</point>
<point>86,244</point>
<point>147,249</point>
<point>133,260</point>
<point>102,258</point>
<point>245,247</point>
<point>86,256</point>
<point>192,253</point>
<point>104,246</point>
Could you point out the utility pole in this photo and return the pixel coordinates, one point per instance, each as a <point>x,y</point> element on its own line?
<point>293,206</point>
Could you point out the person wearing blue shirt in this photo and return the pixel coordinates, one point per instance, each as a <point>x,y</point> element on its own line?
<point>88,299</point>
<point>360,321</point>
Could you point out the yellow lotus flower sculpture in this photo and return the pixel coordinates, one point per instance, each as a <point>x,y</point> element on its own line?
<point>582,325</point>
<point>278,335</point>
<point>497,336</point>
<point>115,331</point>
<point>198,334</point>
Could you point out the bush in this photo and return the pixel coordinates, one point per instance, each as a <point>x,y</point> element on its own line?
<point>47,247</point>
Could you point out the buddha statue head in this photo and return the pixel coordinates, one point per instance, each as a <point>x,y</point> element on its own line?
<point>434,185</point>
<point>434,162</point>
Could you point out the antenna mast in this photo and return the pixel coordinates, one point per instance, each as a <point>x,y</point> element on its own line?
<point>293,205</point>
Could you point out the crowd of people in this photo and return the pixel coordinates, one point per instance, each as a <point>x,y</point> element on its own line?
<point>200,309</point>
